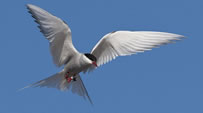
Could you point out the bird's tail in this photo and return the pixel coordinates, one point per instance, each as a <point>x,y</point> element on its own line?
<point>55,81</point>
<point>59,81</point>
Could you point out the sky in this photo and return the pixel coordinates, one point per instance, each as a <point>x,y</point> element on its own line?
<point>165,80</point>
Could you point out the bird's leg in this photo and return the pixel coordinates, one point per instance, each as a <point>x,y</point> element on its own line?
<point>69,79</point>
<point>66,76</point>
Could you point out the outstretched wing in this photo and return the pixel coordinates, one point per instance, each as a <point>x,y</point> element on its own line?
<point>121,43</point>
<point>57,32</point>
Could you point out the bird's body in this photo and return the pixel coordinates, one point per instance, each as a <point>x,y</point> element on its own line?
<point>77,64</point>
<point>112,45</point>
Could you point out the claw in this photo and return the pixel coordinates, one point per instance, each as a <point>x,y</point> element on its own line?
<point>69,79</point>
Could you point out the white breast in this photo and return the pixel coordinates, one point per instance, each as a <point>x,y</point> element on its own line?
<point>77,64</point>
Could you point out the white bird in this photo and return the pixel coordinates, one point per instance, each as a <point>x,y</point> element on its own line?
<point>112,45</point>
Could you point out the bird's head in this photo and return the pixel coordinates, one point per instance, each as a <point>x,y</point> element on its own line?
<point>92,58</point>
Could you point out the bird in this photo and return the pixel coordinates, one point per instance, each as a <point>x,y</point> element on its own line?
<point>109,47</point>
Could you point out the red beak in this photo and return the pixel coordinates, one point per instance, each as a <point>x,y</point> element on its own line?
<point>94,63</point>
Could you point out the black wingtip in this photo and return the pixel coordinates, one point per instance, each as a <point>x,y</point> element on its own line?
<point>28,6</point>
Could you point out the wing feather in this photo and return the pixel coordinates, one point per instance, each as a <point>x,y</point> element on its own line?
<point>57,32</point>
<point>122,43</point>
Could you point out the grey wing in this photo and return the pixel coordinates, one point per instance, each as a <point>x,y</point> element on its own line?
<point>121,43</point>
<point>57,32</point>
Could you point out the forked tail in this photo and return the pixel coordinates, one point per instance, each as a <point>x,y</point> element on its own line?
<point>58,81</point>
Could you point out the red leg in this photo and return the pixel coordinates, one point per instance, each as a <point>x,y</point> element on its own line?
<point>69,79</point>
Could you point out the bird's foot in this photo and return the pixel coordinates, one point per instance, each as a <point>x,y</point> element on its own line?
<point>69,79</point>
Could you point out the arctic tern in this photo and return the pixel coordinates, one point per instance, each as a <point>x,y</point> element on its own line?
<point>110,46</point>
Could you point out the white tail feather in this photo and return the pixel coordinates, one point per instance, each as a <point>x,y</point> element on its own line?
<point>58,81</point>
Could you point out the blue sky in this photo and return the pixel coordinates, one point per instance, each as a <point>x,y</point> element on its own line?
<point>165,80</point>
